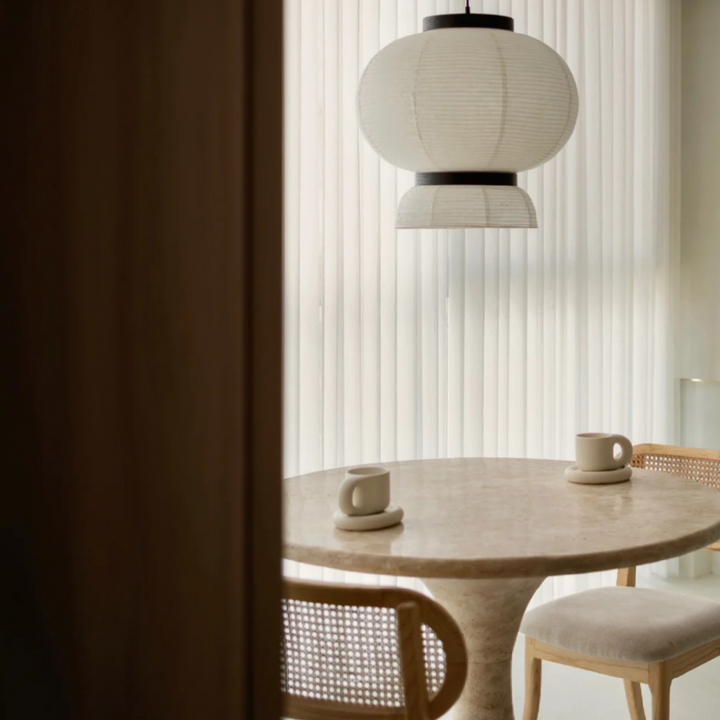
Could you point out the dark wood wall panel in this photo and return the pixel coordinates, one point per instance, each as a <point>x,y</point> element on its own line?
<point>141,261</point>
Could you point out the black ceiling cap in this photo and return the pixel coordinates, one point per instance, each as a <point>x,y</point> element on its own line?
<point>471,20</point>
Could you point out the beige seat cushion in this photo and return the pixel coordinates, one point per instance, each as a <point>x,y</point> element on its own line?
<point>622,623</point>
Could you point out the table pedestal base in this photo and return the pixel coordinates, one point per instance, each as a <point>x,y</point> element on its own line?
<point>489,613</point>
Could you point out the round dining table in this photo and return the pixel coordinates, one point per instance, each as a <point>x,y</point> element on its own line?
<point>484,533</point>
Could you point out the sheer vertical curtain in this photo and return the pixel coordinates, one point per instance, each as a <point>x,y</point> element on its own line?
<point>422,344</point>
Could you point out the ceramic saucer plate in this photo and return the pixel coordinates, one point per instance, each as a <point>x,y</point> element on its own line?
<point>605,477</point>
<point>392,515</point>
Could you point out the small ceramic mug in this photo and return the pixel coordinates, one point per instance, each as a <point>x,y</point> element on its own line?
<point>365,490</point>
<point>596,451</point>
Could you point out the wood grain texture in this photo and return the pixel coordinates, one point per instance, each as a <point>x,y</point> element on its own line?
<point>140,215</point>
<point>412,660</point>
<point>633,695</point>
<point>627,577</point>
<point>660,681</point>
<point>655,449</point>
<point>693,658</point>
<point>638,672</point>
<point>533,682</point>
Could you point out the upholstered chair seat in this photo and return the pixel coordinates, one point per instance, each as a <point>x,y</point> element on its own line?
<point>625,623</point>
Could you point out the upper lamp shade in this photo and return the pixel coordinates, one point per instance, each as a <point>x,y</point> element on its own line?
<point>467,107</point>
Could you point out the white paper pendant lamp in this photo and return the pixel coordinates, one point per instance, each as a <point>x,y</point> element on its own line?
<point>466,206</point>
<point>467,104</point>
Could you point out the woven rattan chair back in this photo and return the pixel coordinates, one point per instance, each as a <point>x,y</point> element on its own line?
<point>702,466</point>
<point>368,652</point>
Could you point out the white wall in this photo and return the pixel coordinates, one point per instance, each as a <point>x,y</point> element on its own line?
<point>699,346</point>
<point>700,412</point>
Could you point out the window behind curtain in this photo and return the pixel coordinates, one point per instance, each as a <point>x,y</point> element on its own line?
<point>421,344</point>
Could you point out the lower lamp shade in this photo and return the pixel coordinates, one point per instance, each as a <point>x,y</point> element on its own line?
<point>466,206</point>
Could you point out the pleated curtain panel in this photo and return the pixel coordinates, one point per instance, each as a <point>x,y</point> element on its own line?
<point>404,344</point>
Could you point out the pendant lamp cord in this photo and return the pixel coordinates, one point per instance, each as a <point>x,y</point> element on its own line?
<point>467,7</point>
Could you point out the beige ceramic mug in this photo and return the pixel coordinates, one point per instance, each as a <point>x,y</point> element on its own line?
<point>596,451</point>
<point>365,490</point>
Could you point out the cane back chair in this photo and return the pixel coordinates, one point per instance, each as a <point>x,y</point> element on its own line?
<point>368,652</point>
<point>703,466</point>
<point>639,635</point>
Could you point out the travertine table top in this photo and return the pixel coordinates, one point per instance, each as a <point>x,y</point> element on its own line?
<point>503,518</point>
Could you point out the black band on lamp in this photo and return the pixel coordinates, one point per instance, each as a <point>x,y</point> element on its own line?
<point>472,20</point>
<point>466,178</point>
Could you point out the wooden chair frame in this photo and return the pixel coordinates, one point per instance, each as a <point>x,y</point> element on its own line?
<point>658,676</point>
<point>413,611</point>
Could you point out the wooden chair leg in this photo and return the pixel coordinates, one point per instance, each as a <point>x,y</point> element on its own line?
<point>634,700</point>
<point>533,681</point>
<point>660,687</point>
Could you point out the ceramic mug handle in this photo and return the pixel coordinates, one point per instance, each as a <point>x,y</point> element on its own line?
<point>345,494</point>
<point>626,450</point>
